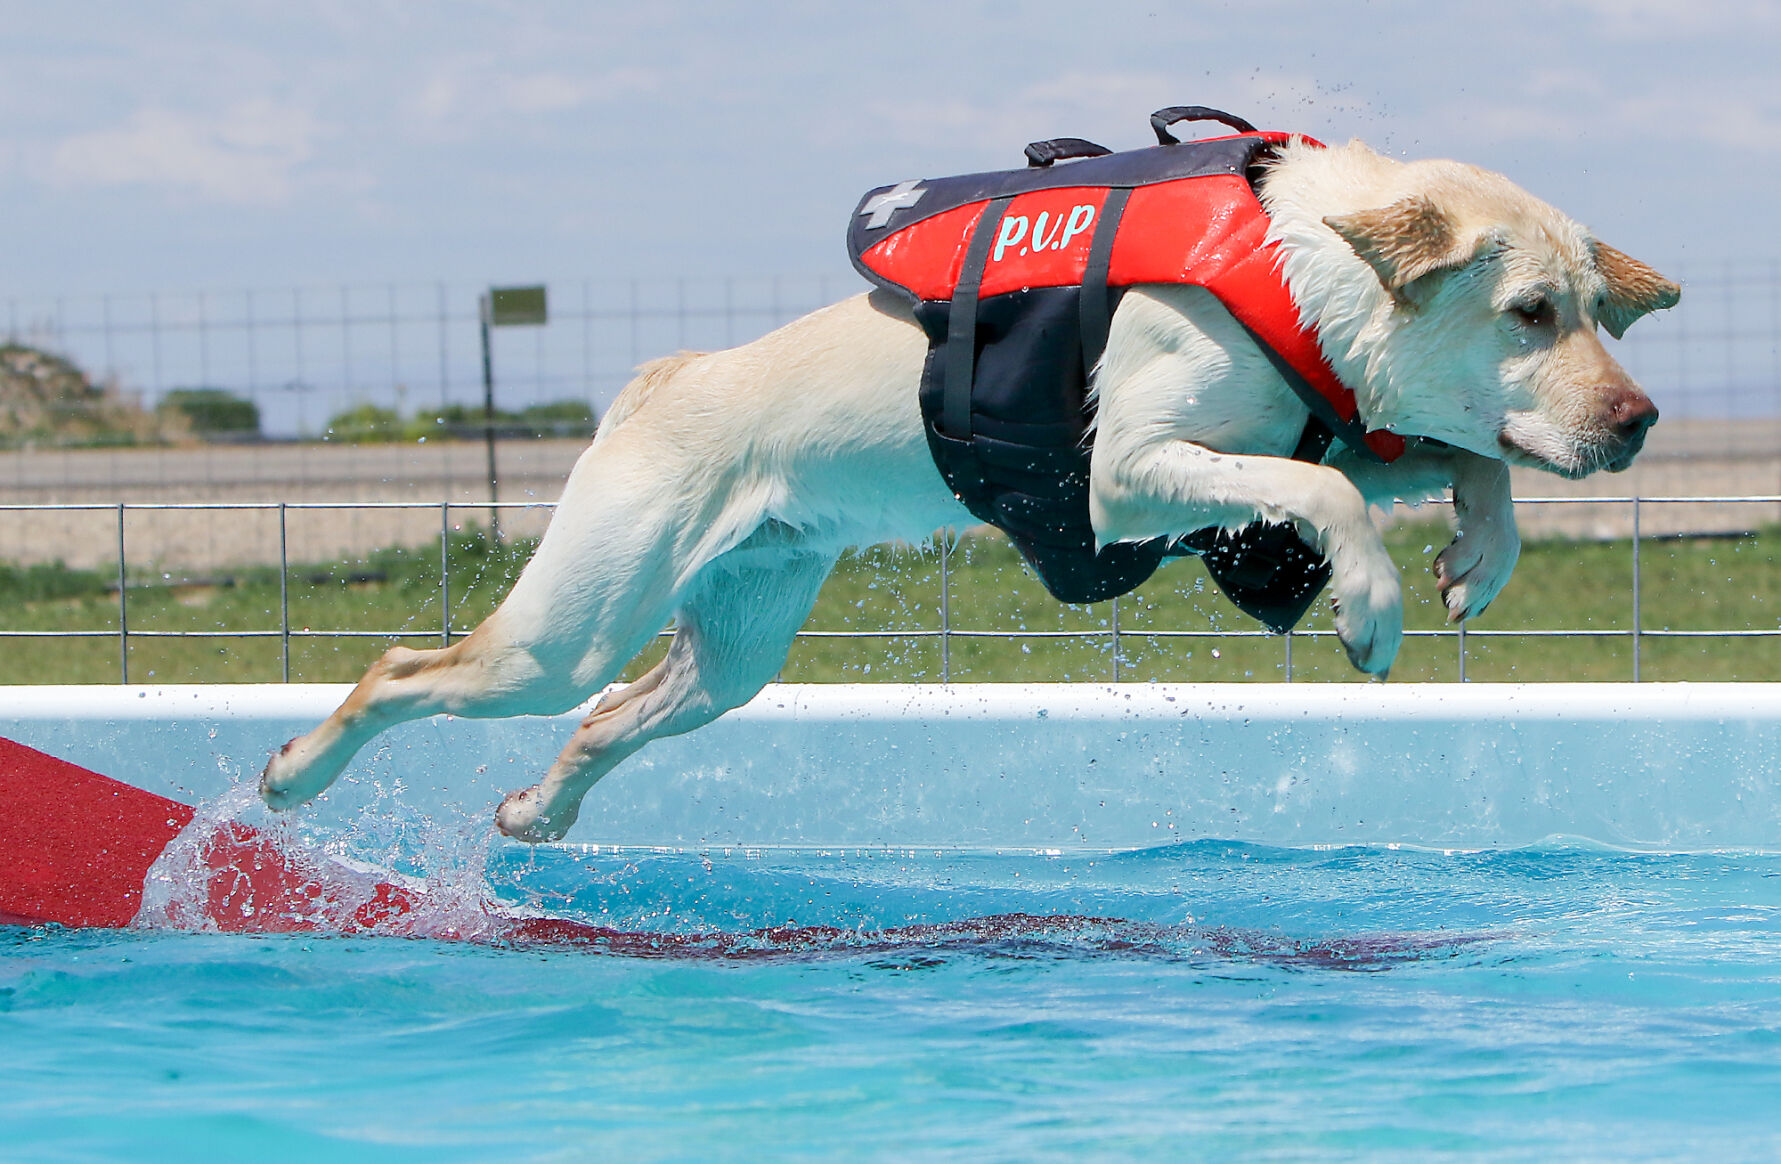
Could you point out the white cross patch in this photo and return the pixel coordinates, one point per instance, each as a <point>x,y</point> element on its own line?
<point>898,197</point>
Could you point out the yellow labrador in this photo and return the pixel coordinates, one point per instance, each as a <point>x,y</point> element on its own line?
<point>721,487</point>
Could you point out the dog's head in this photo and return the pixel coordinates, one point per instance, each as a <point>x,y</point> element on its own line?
<point>1487,335</point>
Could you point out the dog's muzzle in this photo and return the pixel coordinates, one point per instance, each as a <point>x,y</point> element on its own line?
<point>1630,416</point>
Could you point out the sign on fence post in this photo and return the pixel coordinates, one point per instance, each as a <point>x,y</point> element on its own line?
<point>503,307</point>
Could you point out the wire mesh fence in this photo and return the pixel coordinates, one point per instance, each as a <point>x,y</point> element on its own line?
<point>963,608</point>
<point>306,355</point>
<point>163,547</point>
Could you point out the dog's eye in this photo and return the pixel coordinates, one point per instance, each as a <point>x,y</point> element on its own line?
<point>1539,313</point>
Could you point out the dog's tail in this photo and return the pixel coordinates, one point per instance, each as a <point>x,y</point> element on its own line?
<point>650,376</point>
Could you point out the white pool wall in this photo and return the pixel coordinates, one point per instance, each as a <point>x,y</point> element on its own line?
<point>1027,766</point>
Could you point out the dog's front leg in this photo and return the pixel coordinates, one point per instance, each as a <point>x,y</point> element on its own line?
<point>1168,488</point>
<point>1476,565</point>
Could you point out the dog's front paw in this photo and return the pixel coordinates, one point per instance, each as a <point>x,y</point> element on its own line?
<point>1474,568</point>
<point>1369,609</point>
<point>523,817</point>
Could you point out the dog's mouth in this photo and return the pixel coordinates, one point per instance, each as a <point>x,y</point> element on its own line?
<point>1527,440</point>
<point>1540,454</point>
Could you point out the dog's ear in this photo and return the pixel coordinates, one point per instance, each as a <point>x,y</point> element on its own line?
<point>1633,290</point>
<point>1404,242</point>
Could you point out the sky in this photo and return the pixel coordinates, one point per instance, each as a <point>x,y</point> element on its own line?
<point>182,145</point>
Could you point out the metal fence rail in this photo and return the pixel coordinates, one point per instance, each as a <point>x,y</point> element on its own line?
<point>946,633</point>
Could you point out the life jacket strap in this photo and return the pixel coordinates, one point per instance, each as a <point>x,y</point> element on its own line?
<point>1314,442</point>
<point>961,324</point>
<point>1097,296</point>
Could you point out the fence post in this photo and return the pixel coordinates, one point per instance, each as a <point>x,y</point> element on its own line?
<point>1113,621</point>
<point>253,368</point>
<point>203,340</point>
<point>445,572</point>
<point>945,605</point>
<point>1288,637</point>
<point>154,336</point>
<point>395,351</point>
<point>1462,650</point>
<point>110,354</point>
<point>1637,614</point>
<point>485,312</point>
<point>284,593</point>
<point>297,355</point>
<point>444,348</point>
<point>346,342</point>
<point>123,616</point>
<point>540,377</point>
<point>634,321</point>
<point>587,345</point>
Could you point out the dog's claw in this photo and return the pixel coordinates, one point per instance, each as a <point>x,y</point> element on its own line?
<point>1472,570</point>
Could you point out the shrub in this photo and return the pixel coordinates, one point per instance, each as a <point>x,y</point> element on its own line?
<point>556,418</point>
<point>48,398</point>
<point>213,411</point>
<point>364,424</point>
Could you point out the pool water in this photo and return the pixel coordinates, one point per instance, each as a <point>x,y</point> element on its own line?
<point>1202,1000</point>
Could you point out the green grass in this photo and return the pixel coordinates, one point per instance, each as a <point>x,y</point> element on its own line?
<point>1694,584</point>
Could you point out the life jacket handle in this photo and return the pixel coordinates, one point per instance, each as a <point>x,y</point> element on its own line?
<point>1043,153</point>
<point>1162,119</point>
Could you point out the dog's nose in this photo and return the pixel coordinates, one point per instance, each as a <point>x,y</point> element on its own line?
<point>1631,413</point>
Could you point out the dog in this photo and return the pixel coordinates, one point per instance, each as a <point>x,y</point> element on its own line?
<point>720,488</point>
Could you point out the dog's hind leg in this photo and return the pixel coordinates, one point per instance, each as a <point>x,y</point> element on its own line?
<point>590,599</point>
<point>480,675</point>
<point>733,629</point>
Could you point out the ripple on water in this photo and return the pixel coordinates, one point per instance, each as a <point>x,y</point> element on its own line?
<point>1565,1000</point>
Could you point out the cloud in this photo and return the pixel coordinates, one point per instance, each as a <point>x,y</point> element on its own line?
<point>1115,105</point>
<point>546,93</point>
<point>1560,107</point>
<point>248,155</point>
<point>1665,20</point>
<point>458,96</point>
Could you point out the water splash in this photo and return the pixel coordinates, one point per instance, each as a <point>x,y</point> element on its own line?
<point>237,868</point>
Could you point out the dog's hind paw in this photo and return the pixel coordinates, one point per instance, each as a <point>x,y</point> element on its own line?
<point>291,778</point>
<point>521,818</point>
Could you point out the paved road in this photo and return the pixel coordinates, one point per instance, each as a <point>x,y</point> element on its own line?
<point>202,541</point>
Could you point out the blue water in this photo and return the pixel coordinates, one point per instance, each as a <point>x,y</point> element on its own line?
<point>1198,1001</point>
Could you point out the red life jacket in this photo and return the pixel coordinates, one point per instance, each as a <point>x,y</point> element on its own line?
<point>1014,275</point>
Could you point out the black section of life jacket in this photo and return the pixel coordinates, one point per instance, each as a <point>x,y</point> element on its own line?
<point>1025,469</point>
<point>1022,461</point>
<point>1267,571</point>
<point>1024,465</point>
